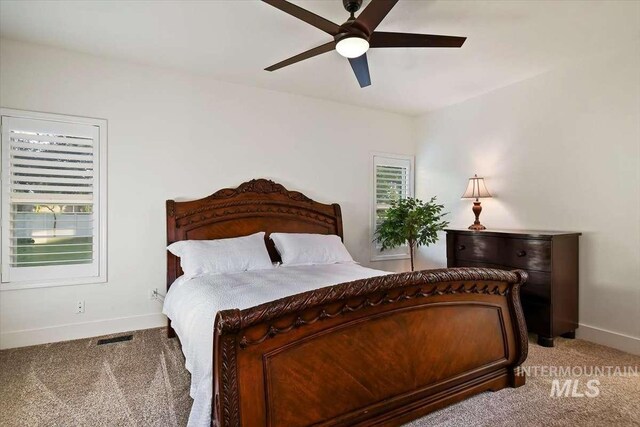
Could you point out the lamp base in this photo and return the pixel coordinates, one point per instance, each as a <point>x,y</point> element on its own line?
<point>477,208</point>
<point>477,227</point>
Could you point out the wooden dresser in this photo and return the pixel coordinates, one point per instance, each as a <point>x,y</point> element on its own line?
<point>550,296</point>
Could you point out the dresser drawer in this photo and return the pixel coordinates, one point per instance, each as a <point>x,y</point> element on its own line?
<point>537,286</point>
<point>477,248</point>
<point>527,254</point>
<point>538,317</point>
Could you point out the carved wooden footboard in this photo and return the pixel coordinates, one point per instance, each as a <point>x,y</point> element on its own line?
<point>378,351</point>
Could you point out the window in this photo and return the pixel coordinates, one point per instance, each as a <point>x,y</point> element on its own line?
<point>53,200</point>
<point>392,179</point>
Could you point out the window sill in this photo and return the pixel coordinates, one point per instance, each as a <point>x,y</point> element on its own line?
<point>389,257</point>
<point>14,286</point>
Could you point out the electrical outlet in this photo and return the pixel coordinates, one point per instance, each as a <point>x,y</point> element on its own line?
<point>80,307</point>
<point>154,294</point>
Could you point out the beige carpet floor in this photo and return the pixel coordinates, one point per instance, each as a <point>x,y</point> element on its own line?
<point>143,383</point>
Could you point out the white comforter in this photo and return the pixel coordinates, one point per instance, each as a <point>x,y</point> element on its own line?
<point>192,304</point>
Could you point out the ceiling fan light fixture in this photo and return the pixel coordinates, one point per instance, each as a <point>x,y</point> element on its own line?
<point>352,47</point>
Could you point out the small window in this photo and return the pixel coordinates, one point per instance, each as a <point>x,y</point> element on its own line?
<point>53,200</point>
<point>392,180</point>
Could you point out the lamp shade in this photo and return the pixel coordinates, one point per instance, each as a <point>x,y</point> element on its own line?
<point>476,189</point>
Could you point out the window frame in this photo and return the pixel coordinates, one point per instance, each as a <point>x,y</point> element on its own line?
<point>102,152</point>
<point>401,252</point>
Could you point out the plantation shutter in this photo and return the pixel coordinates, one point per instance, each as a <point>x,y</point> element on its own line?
<point>50,200</point>
<point>393,180</point>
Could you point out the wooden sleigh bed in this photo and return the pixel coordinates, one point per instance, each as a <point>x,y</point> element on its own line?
<point>379,351</point>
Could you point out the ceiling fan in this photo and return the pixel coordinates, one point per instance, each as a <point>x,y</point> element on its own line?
<point>353,38</point>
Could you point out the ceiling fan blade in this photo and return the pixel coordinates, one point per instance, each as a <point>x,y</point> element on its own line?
<point>327,47</point>
<point>374,13</point>
<point>360,67</point>
<point>382,39</point>
<point>306,16</point>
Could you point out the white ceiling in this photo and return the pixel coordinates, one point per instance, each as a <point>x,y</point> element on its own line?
<point>235,40</point>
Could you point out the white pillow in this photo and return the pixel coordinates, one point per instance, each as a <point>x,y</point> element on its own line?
<point>198,257</point>
<point>308,249</point>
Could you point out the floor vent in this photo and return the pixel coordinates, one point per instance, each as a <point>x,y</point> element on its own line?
<point>115,339</point>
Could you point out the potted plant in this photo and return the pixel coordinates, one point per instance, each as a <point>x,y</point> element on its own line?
<point>412,222</point>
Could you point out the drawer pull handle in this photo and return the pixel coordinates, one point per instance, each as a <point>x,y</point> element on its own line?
<point>462,247</point>
<point>521,253</point>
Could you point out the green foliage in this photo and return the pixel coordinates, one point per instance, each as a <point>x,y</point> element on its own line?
<point>410,221</point>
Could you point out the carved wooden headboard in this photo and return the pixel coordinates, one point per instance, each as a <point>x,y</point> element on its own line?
<point>256,205</point>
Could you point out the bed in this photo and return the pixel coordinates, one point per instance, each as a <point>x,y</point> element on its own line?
<point>378,349</point>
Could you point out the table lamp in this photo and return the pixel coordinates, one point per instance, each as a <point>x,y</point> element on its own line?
<point>476,190</point>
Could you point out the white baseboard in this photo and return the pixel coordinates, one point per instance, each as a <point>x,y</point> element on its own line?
<point>74,331</point>
<point>610,339</point>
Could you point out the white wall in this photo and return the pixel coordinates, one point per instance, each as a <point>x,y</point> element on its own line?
<point>174,135</point>
<point>562,152</point>
<point>559,151</point>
